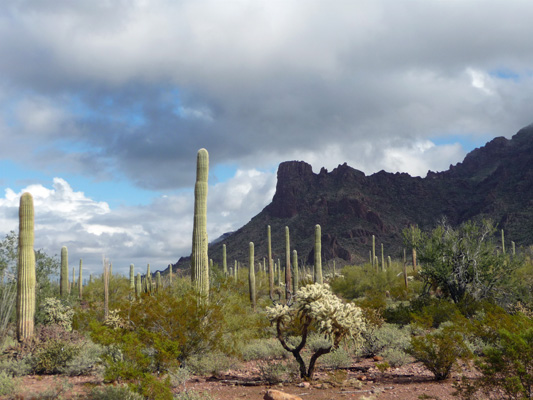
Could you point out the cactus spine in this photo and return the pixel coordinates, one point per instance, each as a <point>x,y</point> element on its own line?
<point>26,269</point>
<point>288,285</point>
<point>318,255</point>
<point>251,276</point>
<point>224,262</point>
<point>270,264</point>
<point>295,271</point>
<point>80,280</point>
<point>199,257</point>
<point>63,279</point>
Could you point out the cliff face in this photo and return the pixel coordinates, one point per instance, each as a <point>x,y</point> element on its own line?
<point>494,181</point>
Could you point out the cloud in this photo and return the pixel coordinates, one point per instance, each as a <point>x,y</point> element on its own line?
<point>134,88</point>
<point>158,233</point>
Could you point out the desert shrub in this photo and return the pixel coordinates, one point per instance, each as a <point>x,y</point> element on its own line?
<point>378,340</point>
<point>86,361</point>
<point>55,312</point>
<point>179,376</point>
<point>193,395</point>
<point>8,385</point>
<point>263,349</point>
<point>506,364</point>
<point>16,367</point>
<point>436,312</point>
<point>54,356</point>
<point>439,350</point>
<point>339,358</point>
<point>213,363</point>
<point>395,357</point>
<point>121,392</point>
<point>316,342</point>
<point>60,388</point>
<point>277,371</point>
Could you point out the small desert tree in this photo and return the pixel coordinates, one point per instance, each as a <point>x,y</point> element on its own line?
<point>315,306</point>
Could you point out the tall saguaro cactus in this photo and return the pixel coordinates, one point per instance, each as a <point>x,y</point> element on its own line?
<point>199,257</point>
<point>374,251</point>
<point>80,280</point>
<point>318,255</point>
<point>251,276</point>
<point>132,277</point>
<point>295,271</point>
<point>63,278</point>
<point>270,264</point>
<point>26,269</point>
<point>288,285</point>
<point>224,261</point>
<point>138,285</point>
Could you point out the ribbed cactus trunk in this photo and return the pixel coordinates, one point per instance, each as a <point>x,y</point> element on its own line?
<point>318,255</point>
<point>224,261</point>
<point>235,272</point>
<point>73,278</point>
<point>63,278</point>
<point>132,278</point>
<point>295,271</point>
<point>148,280</point>
<point>199,257</point>
<point>288,284</point>
<point>80,280</point>
<point>251,276</point>
<point>270,265</point>
<point>158,285</point>
<point>374,252</point>
<point>138,285</point>
<point>26,270</point>
<point>503,242</point>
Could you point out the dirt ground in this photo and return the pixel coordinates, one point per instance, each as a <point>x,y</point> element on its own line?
<point>361,381</point>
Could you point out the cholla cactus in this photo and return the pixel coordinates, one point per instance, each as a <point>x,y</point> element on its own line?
<point>317,306</point>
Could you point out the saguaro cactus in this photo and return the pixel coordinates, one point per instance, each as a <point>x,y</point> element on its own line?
<point>503,242</point>
<point>26,269</point>
<point>382,258</point>
<point>251,276</point>
<point>148,279</point>
<point>295,271</point>
<point>132,277</point>
<point>318,255</point>
<point>224,261</point>
<point>288,284</point>
<point>63,278</point>
<point>73,277</point>
<point>199,257</point>
<point>138,285</point>
<point>80,280</point>
<point>374,251</point>
<point>270,264</point>
<point>158,285</point>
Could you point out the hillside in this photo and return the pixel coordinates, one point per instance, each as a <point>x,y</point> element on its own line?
<point>494,181</point>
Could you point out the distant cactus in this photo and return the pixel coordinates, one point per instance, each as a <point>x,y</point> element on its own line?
<point>235,272</point>
<point>382,258</point>
<point>389,262</point>
<point>63,277</point>
<point>73,278</point>
<point>132,277</point>
<point>503,242</point>
<point>318,255</point>
<point>26,269</point>
<point>270,264</point>
<point>295,271</point>
<point>170,274</point>
<point>374,251</point>
<point>148,280</point>
<point>513,248</point>
<point>199,257</point>
<point>288,284</point>
<point>224,262</point>
<point>251,276</point>
<point>158,285</point>
<point>138,285</point>
<point>80,280</point>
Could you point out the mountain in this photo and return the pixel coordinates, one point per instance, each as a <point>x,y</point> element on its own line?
<point>494,181</point>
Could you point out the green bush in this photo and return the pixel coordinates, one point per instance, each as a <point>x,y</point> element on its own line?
<point>179,376</point>
<point>54,356</point>
<point>439,351</point>
<point>193,395</point>
<point>121,392</point>
<point>378,340</point>
<point>263,349</point>
<point>213,363</point>
<point>16,367</point>
<point>339,358</point>
<point>277,371</point>
<point>86,361</point>
<point>8,385</point>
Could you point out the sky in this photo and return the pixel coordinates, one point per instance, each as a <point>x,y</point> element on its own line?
<point>104,105</point>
